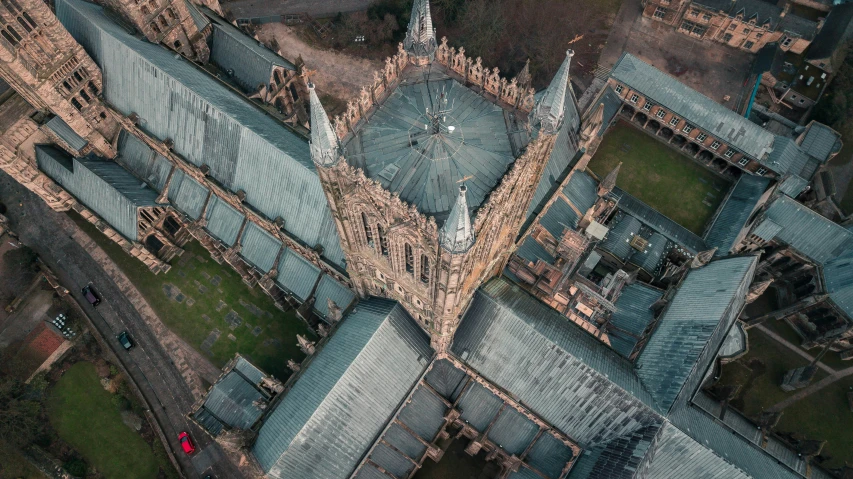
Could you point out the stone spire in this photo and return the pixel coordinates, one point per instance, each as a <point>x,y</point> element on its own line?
<point>523,78</point>
<point>420,38</point>
<point>551,109</point>
<point>324,142</point>
<point>457,235</point>
<point>609,181</point>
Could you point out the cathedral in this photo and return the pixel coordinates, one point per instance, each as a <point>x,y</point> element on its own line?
<point>470,279</point>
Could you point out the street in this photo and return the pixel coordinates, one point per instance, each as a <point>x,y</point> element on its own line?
<point>48,233</point>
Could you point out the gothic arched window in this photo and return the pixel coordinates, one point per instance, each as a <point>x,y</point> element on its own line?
<point>424,269</point>
<point>383,240</point>
<point>410,259</point>
<point>368,233</point>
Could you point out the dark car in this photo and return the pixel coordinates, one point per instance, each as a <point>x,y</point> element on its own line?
<point>90,296</point>
<point>124,340</point>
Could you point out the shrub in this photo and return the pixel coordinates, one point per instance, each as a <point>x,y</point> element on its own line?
<point>76,467</point>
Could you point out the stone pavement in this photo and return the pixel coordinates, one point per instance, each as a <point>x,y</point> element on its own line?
<point>711,68</point>
<point>192,365</point>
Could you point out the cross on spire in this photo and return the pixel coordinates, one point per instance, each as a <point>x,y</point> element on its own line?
<point>420,37</point>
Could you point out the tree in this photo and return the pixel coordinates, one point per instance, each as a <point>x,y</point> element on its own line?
<point>19,416</point>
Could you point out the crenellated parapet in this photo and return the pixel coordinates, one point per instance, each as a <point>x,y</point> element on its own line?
<point>473,72</point>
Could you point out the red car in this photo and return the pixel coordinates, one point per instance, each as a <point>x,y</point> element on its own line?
<point>186,443</point>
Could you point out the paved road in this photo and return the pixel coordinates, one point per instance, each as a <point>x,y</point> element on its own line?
<point>47,232</point>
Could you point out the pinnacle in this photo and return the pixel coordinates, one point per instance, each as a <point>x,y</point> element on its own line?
<point>420,37</point>
<point>550,111</point>
<point>457,235</point>
<point>324,141</point>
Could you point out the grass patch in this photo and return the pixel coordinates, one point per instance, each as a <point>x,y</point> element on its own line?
<point>660,176</point>
<point>84,416</point>
<point>14,464</point>
<point>193,274</point>
<point>824,415</point>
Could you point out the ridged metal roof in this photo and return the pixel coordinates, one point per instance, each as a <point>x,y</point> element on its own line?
<point>559,371</point>
<point>513,431</point>
<point>66,133</point>
<point>820,141</point>
<point>788,157</point>
<point>658,222</point>
<point>223,221</point>
<point>399,147</point>
<point>693,106</point>
<point>187,195</point>
<point>805,230</point>
<point>209,124</point>
<point>693,326</point>
<point>793,185</point>
<point>200,20</point>
<point>142,161</point>
<point>676,454</point>
<point>838,276</point>
<point>338,406</point>
<point>651,257</point>
<point>735,212</point>
<point>259,247</point>
<point>233,402</point>
<point>619,458</point>
<point>633,314</point>
<point>329,288</point>
<point>103,186</point>
<point>532,251</point>
<point>582,193</point>
<point>618,240</point>
<point>237,54</point>
<point>296,274</point>
<point>549,455</point>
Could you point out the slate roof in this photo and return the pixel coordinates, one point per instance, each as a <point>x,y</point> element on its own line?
<point>838,276</point>
<point>328,288</point>
<point>632,316</point>
<point>534,353</point>
<point>260,248</point>
<point>804,230</point>
<point>694,107</point>
<point>793,185</point>
<point>232,400</point>
<point>581,192</point>
<point>787,157</point>
<point>532,251</point>
<point>223,221</point>
<point>296,274</point>
<point>187,195</point>
<point>250,61</point>
<point>836,30</point>
<point>693,326</point>
<point>734,212</point>
<point>759,10</point>
<point>564,152</point>
<point>820,141</point>
<point>425,167</point>
<point>142,161</point>
<point>341,402</point>
<point>618,240</point>
<point>209,124</point>
<point>66,133</point>
<point>658,222</point>
<point>652,256</point>
<point>103,186</point>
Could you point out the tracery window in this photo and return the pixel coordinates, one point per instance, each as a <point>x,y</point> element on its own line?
<point>410,258</point>
<point>424,269</point>
<point>383,241</point>
<point>368,233</point>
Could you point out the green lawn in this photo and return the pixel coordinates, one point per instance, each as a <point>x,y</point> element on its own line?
<point>193,275</point>
<point>660,176</point>
<point>831,359</point>
<point>822,415</point>
<point>83,415</point>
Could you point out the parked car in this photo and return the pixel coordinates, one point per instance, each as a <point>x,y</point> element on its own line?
<point>124,340</point>
<point>186,442</point>
<point>91,296</point>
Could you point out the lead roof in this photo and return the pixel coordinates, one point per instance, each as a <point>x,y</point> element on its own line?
<point>397,147</point>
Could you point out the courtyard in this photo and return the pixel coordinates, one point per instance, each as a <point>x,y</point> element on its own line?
<point>821,413</point>
<point>665,179</point>
<point>207,305</point>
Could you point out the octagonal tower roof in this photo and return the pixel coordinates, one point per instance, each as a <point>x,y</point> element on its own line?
<point>431,134</point>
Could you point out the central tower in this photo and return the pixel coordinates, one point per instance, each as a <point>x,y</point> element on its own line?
<point>430,174</point>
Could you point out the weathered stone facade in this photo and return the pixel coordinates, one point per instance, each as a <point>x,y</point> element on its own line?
<point>167,22</point>
<point>52,72</point>
<point>395,251</point>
